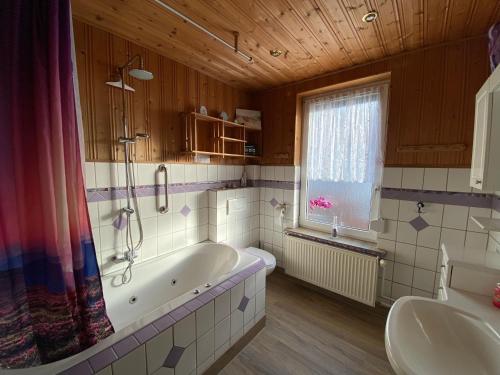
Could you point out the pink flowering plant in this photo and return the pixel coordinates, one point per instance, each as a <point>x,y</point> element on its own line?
<point>320,202</point>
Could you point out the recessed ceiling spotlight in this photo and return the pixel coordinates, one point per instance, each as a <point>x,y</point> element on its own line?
<point>275,52</point>
<point>370,16</point>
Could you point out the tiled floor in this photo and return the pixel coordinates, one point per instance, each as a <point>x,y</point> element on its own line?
<point>310,333</point>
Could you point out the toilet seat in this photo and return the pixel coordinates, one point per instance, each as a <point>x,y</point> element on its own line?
<point>268,258</point>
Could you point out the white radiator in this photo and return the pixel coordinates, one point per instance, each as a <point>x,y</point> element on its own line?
<point>348,273</point>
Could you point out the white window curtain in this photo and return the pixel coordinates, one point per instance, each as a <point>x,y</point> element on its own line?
<point>349,128</point>
<point>346,132</point>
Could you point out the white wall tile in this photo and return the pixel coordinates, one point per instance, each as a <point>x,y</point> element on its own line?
<point>148,207</point>
<point>413,178</point>
<point>185,331</point>
<point>279,173</point>
<point>260,280</point>
<point>204,319</point>
<point>389,208</point>
<point>260,301</point>
<point>178,173</point>
<point>106,175</point>
<point>222,306</point>
<point>399,290</point>
<point>249,312</point>
<point>187,363</point>
<point>390,230</point>
<point>205,347</point>
<point>406,233</point>
<point>236,323</point>
<point>392,177</point>
<point>190,173</point>
<point>89,171</point>
<point>433,214</point>
<point>426,258</point>
<point>134,363</point>
<point>111,238</point>
<point>178,240</point>
<point>407,210</point>
<point>164,244</point>
<point>479,212</point>
<point>435,179</point>
<point>237,293</point>
<point>453,237</point>
<point>423,279</point>
<point>146,174</point>
<point>476,241</point>
<point>387,245</point>
<point>157,349</point>
<point>212,173</point>
<point>429,237</point>
<point>201,173</point>
<point>405,253</point>
<point>403,274</point>
<point>222,332</point>
<point>455,217</point>
<point>289,174</point>
<point>459,180</point>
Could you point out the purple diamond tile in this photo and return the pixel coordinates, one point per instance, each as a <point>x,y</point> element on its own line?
<point>273,202</point>
<point>120,222</point>
<point>179,313</point>
<point>102,359</point>
<point>173,357</point>
<point>243,304</point>
<point>185,210</point>
<point>418,223</point>
<point>125,346</point>
<point>193,305</point>
<point>146,333</point>
<point>83,368</point>
<point>164,322</point>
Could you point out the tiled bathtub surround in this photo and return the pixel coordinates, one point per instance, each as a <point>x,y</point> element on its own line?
<point>189,339</point>
<point>279,185</point>
<point>412,241</point>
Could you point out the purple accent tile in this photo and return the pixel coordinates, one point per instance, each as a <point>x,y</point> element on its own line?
<point>495,203</point>
<point>418,223</point>
<point>164,322</point>
<point>102,359</point>
<point>243,303</point>
<point>236,279</point>
<point>206,298</point>
<point>179,313</point>
<point>217,291</point>
<point>146,333</point>
<point>120,222</point>
<point>246,273</point>
<point>83,368</point>
<point>273,202</point>
<point>193,305</point>
<point>125,346</point>
<point>227,284</point>
<point>185,210</point>
<point>173,357</point>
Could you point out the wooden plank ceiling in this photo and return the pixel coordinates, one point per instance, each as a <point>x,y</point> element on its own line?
<point>316,36</point>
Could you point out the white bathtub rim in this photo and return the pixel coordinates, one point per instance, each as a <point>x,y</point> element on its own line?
<point>66,363</point>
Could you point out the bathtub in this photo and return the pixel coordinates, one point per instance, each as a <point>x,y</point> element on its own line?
<point>165,289</point>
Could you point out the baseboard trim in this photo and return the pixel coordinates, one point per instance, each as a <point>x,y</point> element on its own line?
<point>233,351</point>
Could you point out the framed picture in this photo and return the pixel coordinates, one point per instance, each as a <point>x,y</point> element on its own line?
<point>249,118</point>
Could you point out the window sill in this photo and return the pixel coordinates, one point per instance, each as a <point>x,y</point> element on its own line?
<point>345,243</point>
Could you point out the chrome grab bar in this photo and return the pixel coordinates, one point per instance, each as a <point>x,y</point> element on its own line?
<point>164,209</point>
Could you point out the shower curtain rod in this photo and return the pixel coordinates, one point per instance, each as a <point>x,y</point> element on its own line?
<point>202,28</point>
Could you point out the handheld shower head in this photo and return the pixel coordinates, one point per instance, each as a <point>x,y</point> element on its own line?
<point>141,74</point>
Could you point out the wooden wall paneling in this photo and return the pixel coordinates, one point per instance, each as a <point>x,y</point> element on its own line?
<point>453,101</point>
<point>154,108</point>
<point>431,108</point>
<point>431,102</point>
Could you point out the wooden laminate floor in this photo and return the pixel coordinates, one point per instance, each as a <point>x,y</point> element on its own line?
<point>308,332</point>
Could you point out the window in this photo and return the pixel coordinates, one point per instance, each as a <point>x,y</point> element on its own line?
<point>344,144</point>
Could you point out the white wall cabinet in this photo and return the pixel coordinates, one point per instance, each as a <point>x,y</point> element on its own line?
<point>485,168</point>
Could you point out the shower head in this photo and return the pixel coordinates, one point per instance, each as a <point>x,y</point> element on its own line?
<point>118,84</point>
<point>141,74</point>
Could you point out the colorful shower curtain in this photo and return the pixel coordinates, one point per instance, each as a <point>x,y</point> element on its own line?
<point>51,301</point>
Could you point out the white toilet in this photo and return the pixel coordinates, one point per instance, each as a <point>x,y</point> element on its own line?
<point>268,258</point>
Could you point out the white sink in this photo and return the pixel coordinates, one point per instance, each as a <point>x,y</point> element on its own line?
<point>425,336</point>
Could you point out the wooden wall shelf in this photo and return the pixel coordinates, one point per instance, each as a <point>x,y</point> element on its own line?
<point>207,135</point>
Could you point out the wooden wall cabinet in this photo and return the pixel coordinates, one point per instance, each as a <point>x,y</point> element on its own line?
<point>485,169</point>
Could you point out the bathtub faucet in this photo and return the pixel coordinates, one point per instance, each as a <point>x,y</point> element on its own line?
<point>128,256</point>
